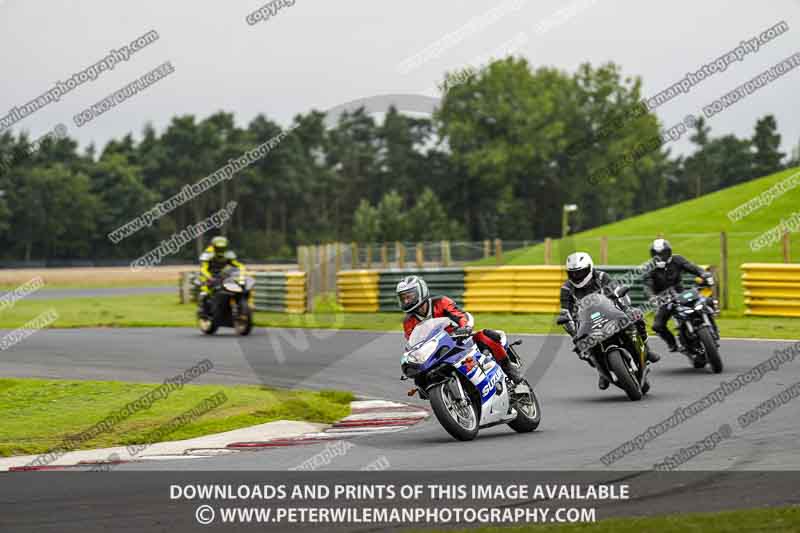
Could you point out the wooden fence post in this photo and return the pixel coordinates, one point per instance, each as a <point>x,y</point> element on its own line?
<point>787,247</point>
<point>311,276</point>
<point>369,255</point>
<point>354,255</point>
<point>548,251</point>
<point>337,251</point>
<point>385,255</point>
<point>400,253</point>
<point>604,250</point>
<point>323,267</point>
<point>445,245</point>
<point>723,268</point>
<point>420,255</point>
<point>487,251</point>
<point>498,251</point>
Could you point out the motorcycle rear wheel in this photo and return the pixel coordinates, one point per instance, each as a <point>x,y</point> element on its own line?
<point>529,413</point>
<point>459,421</point>
<point>624,378</point>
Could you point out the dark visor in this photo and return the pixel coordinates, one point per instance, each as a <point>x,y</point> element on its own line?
<point>579,275</point>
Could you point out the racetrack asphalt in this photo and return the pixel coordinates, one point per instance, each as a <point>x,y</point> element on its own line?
<point>579,424</point>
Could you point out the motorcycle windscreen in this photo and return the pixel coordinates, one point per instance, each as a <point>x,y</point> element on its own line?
<point>230,272</point>
<point>427,329</point>
<point>595,311</point>
<point>688,296</point>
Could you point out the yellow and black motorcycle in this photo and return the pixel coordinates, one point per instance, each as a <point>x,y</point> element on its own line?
<point>230,303</point>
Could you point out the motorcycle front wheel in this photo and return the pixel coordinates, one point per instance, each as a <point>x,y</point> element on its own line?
<point>243,323</point>
<point>712,352</point>
<point>207,325</point>
<point>625,379</point>
<point>458,419</point>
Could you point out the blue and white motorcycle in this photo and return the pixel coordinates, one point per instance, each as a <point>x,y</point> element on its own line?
<point>467,389</point>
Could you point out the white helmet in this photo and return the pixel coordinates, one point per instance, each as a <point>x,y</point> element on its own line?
<point>579,268</point>
<point>412,291</point>
<point>661,252</point>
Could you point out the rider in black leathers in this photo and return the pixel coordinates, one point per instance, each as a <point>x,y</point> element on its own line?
<point>583,280</point>
<point>664,277</point>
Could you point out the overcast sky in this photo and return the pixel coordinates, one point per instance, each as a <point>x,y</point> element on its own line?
<point>320,54</point>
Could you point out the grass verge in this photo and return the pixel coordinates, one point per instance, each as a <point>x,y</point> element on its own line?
<point>692,228</point>
<point>162,310</point>
<point>97,284</point>
<point>38,414</point>
<point>773,520</point>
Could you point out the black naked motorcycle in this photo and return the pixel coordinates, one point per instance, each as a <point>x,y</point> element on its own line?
<point>230,304</point>
<point>693,314</point>
<point>606,337</point>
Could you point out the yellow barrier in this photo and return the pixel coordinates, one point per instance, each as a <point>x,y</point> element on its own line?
<point>771,289</point>
<point>295,292</point>
<point>358,290</point>
<point>516,289</point>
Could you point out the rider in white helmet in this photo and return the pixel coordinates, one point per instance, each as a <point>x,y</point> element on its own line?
<point>583,279</point>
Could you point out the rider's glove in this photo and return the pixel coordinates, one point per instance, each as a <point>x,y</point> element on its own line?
<point>582,355</point>
<point>709,279</point>
<point>462,332</point>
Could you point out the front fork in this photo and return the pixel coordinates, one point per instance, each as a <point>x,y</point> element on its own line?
<point>457,390</point>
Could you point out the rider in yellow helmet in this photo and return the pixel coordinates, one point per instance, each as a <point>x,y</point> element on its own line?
<point>212,261</point>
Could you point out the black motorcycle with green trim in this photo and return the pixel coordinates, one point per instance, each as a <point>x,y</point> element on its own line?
<point>694,314</point>
<point>606,337</point>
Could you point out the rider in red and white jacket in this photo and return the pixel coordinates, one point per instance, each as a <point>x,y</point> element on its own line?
<point>415,300</point>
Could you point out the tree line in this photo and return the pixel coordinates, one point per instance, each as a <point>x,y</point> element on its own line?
<point>497,159</point>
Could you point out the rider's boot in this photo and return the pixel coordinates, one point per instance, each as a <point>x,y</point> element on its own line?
<point>511,370</point>
<point>602,382</point>
<point>202,306</point>
<point>652,356</point>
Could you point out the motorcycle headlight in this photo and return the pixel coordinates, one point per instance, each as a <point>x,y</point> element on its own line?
<point>421,354</point>
<point>698,307</point>
<point>232,287</point>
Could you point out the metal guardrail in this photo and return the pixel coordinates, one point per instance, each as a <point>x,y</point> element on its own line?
<point>637,291</point>
<point>357,290</point>
<point>503,289</point>
<point>514,289</point>
<point>771,289</point>
<point>447,281</point>
<point>283,292</point>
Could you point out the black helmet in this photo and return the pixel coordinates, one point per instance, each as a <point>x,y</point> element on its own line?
<point>412,292</point>
<point>661,252</point>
